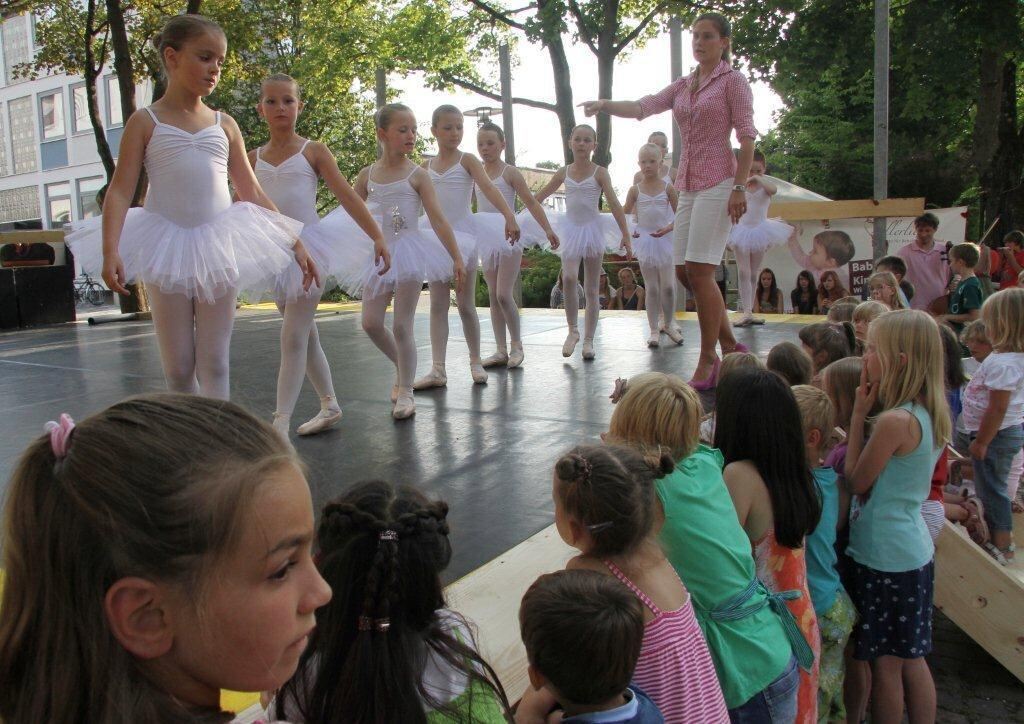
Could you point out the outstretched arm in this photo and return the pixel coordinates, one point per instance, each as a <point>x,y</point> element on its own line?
<point>605,181</point>
<point>516,180</point>
<point>622,109</point>
<point>119,197</point>
<point>490,191</point>
<point>439,223</point>
<point>552,186</point>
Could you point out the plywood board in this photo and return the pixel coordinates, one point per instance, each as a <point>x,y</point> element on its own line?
<point>984,599</point>
<point>490,596</point>
<point>856,209</point>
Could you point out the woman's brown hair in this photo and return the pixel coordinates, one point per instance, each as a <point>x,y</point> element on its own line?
<point>155,486</point>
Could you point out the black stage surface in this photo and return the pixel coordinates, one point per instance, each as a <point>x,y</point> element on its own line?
<point>487,449</point>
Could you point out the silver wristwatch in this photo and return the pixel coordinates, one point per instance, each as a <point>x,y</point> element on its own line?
<point>739,187</point>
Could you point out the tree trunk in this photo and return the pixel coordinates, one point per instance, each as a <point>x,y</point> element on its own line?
<point>605,81</point>
<point>552,39</point>
<point>91,75</point>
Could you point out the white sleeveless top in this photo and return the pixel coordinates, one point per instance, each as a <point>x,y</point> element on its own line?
<point>397,204</point>
<point>507,192</point>
<point>291,185</point>
<point>454,190</point>
<point>667,178</point>
<point>188,173</point>
<point>758,201</point>
<point>652,212</point>
<point>581,199</point>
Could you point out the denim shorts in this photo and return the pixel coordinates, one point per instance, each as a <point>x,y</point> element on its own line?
<point>775,704</point>
<point>991,476</point>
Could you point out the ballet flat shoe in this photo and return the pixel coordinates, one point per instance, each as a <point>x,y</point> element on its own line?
<point>515,359</point>
<point>498,359</point>
<point>476,370</point>
<point>588,349</point>
<point>434,378</point>
<point>570,343</point>
<point>654,341</point>
<point>324,420</point>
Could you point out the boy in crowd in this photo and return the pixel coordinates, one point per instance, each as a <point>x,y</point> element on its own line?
<point>898,268</point>
<point>965,301</point>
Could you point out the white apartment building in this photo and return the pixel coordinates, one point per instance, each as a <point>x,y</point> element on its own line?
<point>50,170</point>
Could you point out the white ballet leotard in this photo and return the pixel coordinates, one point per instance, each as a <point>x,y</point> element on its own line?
<point>338,246</point>
<point>653,213</point>
<point>455,196</point>
<point>189,238</point>
<point>417,254</point>
<point>584,232</point>
<point>494,249</point>
<point>755,231</point>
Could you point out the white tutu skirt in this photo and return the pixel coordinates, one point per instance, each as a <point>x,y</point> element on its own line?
<point>242,245</point>
<point>416,255</point>
<point>468,232</point>
<point>759,237</point>
<point>341,251</point>
<point>579,240</point>
<point>650,250</point>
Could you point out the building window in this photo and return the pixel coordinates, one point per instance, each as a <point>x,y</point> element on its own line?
<point>88,206</point>
<point>79,110</point>
<point>23,135</point>
<point>17,45</point>
<point>114,117</point>
<point>58,204</point>
<point>51,115</point>
<point>19,204</point>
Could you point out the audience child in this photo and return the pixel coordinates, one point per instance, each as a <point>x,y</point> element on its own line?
<point>965,301</point>
<point>1013,259</point>
<point>885,289</point>
<point>891,549</point>
<point>767,296</point>
<point>993,412</point>
<point>925,263</point>
<point>804,297</point>
<point>825,342</point>
<point>751,647</point>
<point>739,360</point>
<point>774,494</point>
<point>863,315</point>
<point>791,363</point>
<point>583,633</point>
<point>841,312</point>
<point>832,605</point>
<point>898,268</point>
<point>138,586</point>
<point>387,649</point>
<point>605,507</point>
<point>830,291</point>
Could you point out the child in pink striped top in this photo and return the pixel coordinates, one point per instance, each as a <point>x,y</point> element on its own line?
<point>605,506</point>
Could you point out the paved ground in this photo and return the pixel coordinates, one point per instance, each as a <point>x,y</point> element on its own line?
<point>487,449</point>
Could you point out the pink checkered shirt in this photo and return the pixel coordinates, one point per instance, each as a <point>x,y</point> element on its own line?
<point>722,103</point>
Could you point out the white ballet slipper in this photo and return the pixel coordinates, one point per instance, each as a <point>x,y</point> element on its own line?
<point>405,406</point>
<point>476,370</point>
<point>281,423</point>
<point>675,334</point>
<point>570,342</point>
<point>498,359</point>
<point>516,357</point>
<point>435,378</point>
<point>654,341</point>
<point>328,417</point>
<point>588,349</point>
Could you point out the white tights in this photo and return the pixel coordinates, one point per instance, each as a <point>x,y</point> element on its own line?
<point>440,301</point>
<point>398,345</point>
<point>748,263</point>
<point>301,354</point>
<point>591,282</point>
<point>194,340</point>
<point>504,312</point>
<point>661,293</point>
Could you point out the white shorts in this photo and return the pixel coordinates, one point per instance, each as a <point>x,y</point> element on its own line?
<point>702,225</point>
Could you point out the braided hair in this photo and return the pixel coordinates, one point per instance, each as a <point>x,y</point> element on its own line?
<point>383,548</point>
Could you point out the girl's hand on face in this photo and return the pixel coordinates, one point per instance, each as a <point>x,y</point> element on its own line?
<point>867,394</point>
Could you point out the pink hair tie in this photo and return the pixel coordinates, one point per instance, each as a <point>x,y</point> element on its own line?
<point>60,434</point>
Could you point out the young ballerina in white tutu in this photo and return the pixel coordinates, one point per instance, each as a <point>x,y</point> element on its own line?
<point>653,201</point>
<point>665,171</point>
<point>753,236</point>
<point>289,168</point>
<point>584,233</point>
<point>395,189</point>
<point>190,245</point>
<point>453,174</point>
<point>501,261</point>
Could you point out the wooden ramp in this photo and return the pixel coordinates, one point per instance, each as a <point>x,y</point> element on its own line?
<point>984,599</point>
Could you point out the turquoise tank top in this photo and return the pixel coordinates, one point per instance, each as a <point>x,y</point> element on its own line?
<point>822,576</point>
<point>890,534</point>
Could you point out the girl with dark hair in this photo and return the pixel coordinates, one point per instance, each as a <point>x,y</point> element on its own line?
<point>387,649</point>
<point>774,492</point>
<point>804,298</point>
<point>768,299</point>
<point>826,342</point>
<point>830,291</point>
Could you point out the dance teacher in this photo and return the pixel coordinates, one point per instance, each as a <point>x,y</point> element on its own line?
<point>707,105</point>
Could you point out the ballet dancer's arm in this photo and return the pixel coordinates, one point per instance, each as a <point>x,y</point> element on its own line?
<point>326,166</point>
<point>248,189</point>
<point>622,109</point>
<point>769,188</point>
<point>119,196</point>
<point>673,201</point>
<point>605,182</point>
<point>629,207</point>
<point>516,180</point>
<point>483,182</point>
<point>360,186</point>
<point>552,186</point>
<point>440,225</point>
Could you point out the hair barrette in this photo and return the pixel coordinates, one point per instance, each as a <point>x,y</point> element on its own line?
<point>60,434</point>
<point>598,527</point>
<point>388,535</point>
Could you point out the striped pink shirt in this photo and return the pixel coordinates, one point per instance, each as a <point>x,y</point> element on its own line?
<point>675,668</point>
<point>723,102</point>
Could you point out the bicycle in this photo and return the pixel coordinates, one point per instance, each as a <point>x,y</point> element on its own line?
<point>88,290</point>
